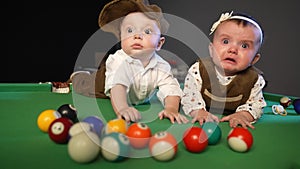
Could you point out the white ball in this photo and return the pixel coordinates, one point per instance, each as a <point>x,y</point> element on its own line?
<point>79,127</point>
<point>84,147</point>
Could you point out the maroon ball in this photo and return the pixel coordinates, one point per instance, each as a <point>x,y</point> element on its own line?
<point>59,130</point>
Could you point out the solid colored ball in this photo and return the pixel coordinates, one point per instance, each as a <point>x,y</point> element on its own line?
<point>115,146</point>
<point>240,139</point>
<point>213,132</point>
<point>139,135</point>
<point>296,104</point>
<point>68,111</point>
<point>285,101</point>
<point>59,130</point>
<point>116,125</point>
<point>80,127</point>
<point>163,146</point>
<point>195,139</point>
<point>45,119</point>
<point>96,124</point>
<point>84,147</point>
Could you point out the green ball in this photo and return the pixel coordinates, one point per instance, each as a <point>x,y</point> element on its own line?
<point>213,132</point>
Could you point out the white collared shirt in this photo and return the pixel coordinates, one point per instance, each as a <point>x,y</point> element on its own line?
<point>192,99</point>
<point>141,82</point>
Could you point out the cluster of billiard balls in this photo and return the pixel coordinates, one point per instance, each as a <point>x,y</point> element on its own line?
<point>89,137</point>
<point>286,102</point>
<point>196,139</point>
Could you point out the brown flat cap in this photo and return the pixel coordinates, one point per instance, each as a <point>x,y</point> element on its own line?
<point>113,12</point>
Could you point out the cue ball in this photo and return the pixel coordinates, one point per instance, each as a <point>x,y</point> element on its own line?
<point>84,147</point>
<point>68,111</point>
<point>59,130</point>
<point>163,146</point>
<point>96,124</point>
<point>240,139</point>
<point>296,104</point>
<point>115,146</point>
<point>116,125</point>
<point>45,119</point>
<point>285,101</point>
<point>195,139</point>
<point>213,132</point>
<point>139,135</point>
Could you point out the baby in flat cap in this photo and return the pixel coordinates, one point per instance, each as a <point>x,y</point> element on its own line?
<point>136,72</point>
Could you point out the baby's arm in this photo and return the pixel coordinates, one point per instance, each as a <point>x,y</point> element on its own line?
<point>192,100</point>
<point>171,110</point>
<point>248,113</point>
<point>119,103</point>
<point>202,116</point>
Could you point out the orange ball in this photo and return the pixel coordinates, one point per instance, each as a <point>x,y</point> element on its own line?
<point>163,146</point>
<point>45,119</point>
<point>139,135</point>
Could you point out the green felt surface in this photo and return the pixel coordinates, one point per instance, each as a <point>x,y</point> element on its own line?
<point>23,145</point>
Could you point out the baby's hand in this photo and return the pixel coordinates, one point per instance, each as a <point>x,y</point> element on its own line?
<point>173,115</point>
<point>129,114</point>
<point>203,116</point>
<point>242,118</point>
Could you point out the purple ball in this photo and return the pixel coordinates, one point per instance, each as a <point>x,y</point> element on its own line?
<point>296,104</point>
<point>96,124</point>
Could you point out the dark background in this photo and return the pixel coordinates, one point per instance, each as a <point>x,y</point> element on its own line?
<point>44,38</point>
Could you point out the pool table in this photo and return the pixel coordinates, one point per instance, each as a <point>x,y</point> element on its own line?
<point>22,145</point>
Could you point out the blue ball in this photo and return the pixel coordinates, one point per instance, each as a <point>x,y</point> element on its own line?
<point>296,104</point>
<point>115,146</point>
<point>96,124</point>
<point>213,132</point>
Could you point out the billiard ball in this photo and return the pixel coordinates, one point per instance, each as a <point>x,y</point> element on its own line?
<point>285,101</point>
<point>96,124</point>
<point>116,125</point>
<point>68,111</point>
<point>45,119</point>
<point>84,147</point>
<point>59,130</point>
<point>115,146</point>
<point>296,104</point>
<point>195,139</point>
<point>213,132</point>
<point>139,135</point>
<point>240,139</point>
<point>163,146</point>
<point>80,127</point>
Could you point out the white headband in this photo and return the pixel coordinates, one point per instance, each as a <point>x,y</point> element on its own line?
<point>228,16</point>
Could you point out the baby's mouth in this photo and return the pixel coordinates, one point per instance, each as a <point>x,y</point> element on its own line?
<point>137,46</point>
<point>230,60</point>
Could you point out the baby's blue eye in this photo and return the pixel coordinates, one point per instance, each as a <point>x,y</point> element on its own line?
<point>148,31</point>
<point>129,30</point>
<point>225,41</point>
<point>244,45</point>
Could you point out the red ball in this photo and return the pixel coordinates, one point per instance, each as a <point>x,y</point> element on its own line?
<point>195,139</point>
<point>285,101</point>
<point>59,130</point>
<point>139,135</point>
<point>240,139</point>
<point>163,146</point>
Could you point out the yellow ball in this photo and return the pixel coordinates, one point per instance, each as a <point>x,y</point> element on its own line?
<point>116,125</point>
<point>46,117</point>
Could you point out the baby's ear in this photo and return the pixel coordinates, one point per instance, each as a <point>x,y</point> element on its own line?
<point>160,43</point>
<point>256,58</point>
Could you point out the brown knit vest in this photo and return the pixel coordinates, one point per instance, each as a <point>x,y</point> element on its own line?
<point>222,99</point>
